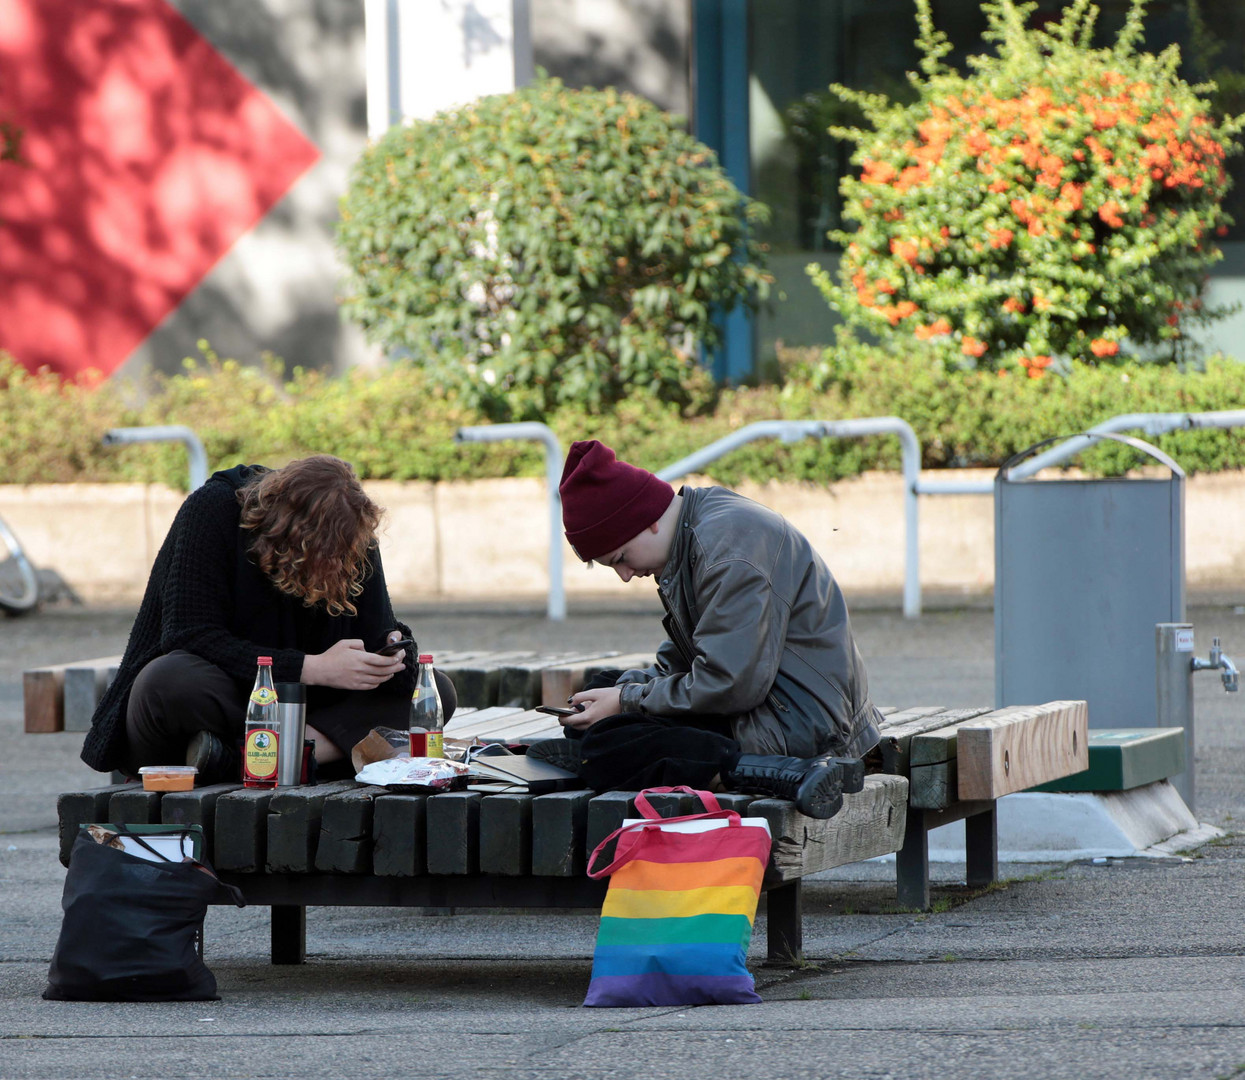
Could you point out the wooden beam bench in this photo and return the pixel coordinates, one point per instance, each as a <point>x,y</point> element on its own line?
<point>346,844</point>
<point>959,762</point>
<point>62,697</point>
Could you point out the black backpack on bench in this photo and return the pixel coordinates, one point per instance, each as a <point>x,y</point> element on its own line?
<point>132,926</point>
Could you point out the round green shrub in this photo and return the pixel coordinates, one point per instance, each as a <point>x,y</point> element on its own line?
<point>1056,204</point>
<point>548,246</point>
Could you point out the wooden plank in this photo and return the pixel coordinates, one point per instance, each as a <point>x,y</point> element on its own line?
<point>933,771</point>
<point>134,806</point>
<point>454,832</point>
<point>43,695</point>
<point>521,727</point>
<point>474,721</point>
<point>1020,746</point>
<point>900,727</point>
<point>538,732</point>
<point>196,807</point>
<point>675,804</point>
<point>242,830</point>
<point>909,715</point>
<point>933,768</point>
<point>345,845</point>
<point>76,808</point>
<point>506,835</point>
<point>870,823</point>
<point>934,787</point>
<point>476,680</point>
<point>933,747</point>
<point>518,726</point>
<point>559,682</point>
<point>400,836</point>
<point>559,829</point>
<point>294,825</point>
<point>605,814</point>
<point>626,662</point>
<point>85,683</point>
<point>521,683</point>
<point>43,700</point>
<point>734,800</point>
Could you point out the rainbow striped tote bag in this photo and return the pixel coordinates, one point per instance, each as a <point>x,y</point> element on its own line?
<point>677,918</point>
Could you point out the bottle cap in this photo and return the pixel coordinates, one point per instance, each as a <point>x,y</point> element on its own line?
<point>425,658</point>
<point>266,660</point>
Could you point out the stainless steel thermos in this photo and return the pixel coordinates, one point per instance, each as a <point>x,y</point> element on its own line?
<point>291,725</point>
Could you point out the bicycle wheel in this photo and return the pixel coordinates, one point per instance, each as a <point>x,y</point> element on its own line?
<point>19,586</point>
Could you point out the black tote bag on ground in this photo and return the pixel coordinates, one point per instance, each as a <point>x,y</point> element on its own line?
<point>131,927</point>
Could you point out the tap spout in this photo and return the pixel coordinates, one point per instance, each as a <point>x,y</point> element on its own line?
<point>1219,662</point>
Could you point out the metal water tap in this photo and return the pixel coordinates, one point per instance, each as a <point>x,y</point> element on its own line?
<point>1217,661</point>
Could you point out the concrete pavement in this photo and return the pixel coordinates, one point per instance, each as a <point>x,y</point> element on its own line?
<point>1126,968</point>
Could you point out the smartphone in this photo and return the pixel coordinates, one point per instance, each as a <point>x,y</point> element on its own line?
<point>556,710</point>
<point>395,647</point>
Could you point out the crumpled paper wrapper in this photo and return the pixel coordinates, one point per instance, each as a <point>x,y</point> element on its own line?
<point>379,744</point>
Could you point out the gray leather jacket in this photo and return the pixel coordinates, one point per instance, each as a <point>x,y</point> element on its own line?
<point>757,632</point>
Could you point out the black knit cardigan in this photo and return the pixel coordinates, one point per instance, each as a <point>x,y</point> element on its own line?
<point>206,596</point>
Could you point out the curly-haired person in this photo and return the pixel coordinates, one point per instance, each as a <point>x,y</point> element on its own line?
<point>273,562</point>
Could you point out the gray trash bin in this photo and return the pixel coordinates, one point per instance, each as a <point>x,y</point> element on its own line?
<point>1083,570</point>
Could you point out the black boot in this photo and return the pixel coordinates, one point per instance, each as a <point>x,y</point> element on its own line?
<point>853,770</point>
<point>218,761</point>
<point>815,785</point>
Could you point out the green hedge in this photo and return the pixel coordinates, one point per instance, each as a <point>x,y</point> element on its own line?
<point>394,425</point>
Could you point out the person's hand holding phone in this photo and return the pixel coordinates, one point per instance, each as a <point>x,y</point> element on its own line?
<point>347,665</point>
<point>593,705</point>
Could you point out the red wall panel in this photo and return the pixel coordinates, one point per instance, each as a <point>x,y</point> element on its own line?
<point>147,155</point>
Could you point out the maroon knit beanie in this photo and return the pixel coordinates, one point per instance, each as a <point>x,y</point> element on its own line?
<point>606,502</point>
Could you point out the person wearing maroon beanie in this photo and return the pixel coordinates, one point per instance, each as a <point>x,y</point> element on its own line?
<point>759,685</point>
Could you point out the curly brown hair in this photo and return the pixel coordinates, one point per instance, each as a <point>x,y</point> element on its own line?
<point>314,526</point>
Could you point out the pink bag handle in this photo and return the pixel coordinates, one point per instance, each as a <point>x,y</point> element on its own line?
<point>707,799</point>
<point>653,820</point>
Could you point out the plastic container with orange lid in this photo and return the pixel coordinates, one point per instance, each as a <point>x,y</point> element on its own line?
<point>168,777</point>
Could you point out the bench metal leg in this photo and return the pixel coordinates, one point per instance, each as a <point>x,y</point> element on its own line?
<point>981,846</point>
<point>289,934</point>
<point>784,921</point>
<point>912,864</point>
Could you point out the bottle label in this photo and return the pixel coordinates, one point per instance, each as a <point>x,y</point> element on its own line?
<point>427,744</point>
<point>259,757</point>
<point>264,695</point>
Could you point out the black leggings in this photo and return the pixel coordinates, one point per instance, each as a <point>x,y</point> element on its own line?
<point>630,751</point>
<point>179,694</point>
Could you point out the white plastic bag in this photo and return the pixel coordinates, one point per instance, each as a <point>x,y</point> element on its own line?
<point>423,773</point>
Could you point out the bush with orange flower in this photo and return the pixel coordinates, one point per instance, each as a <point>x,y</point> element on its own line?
<point>1055,203</point>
